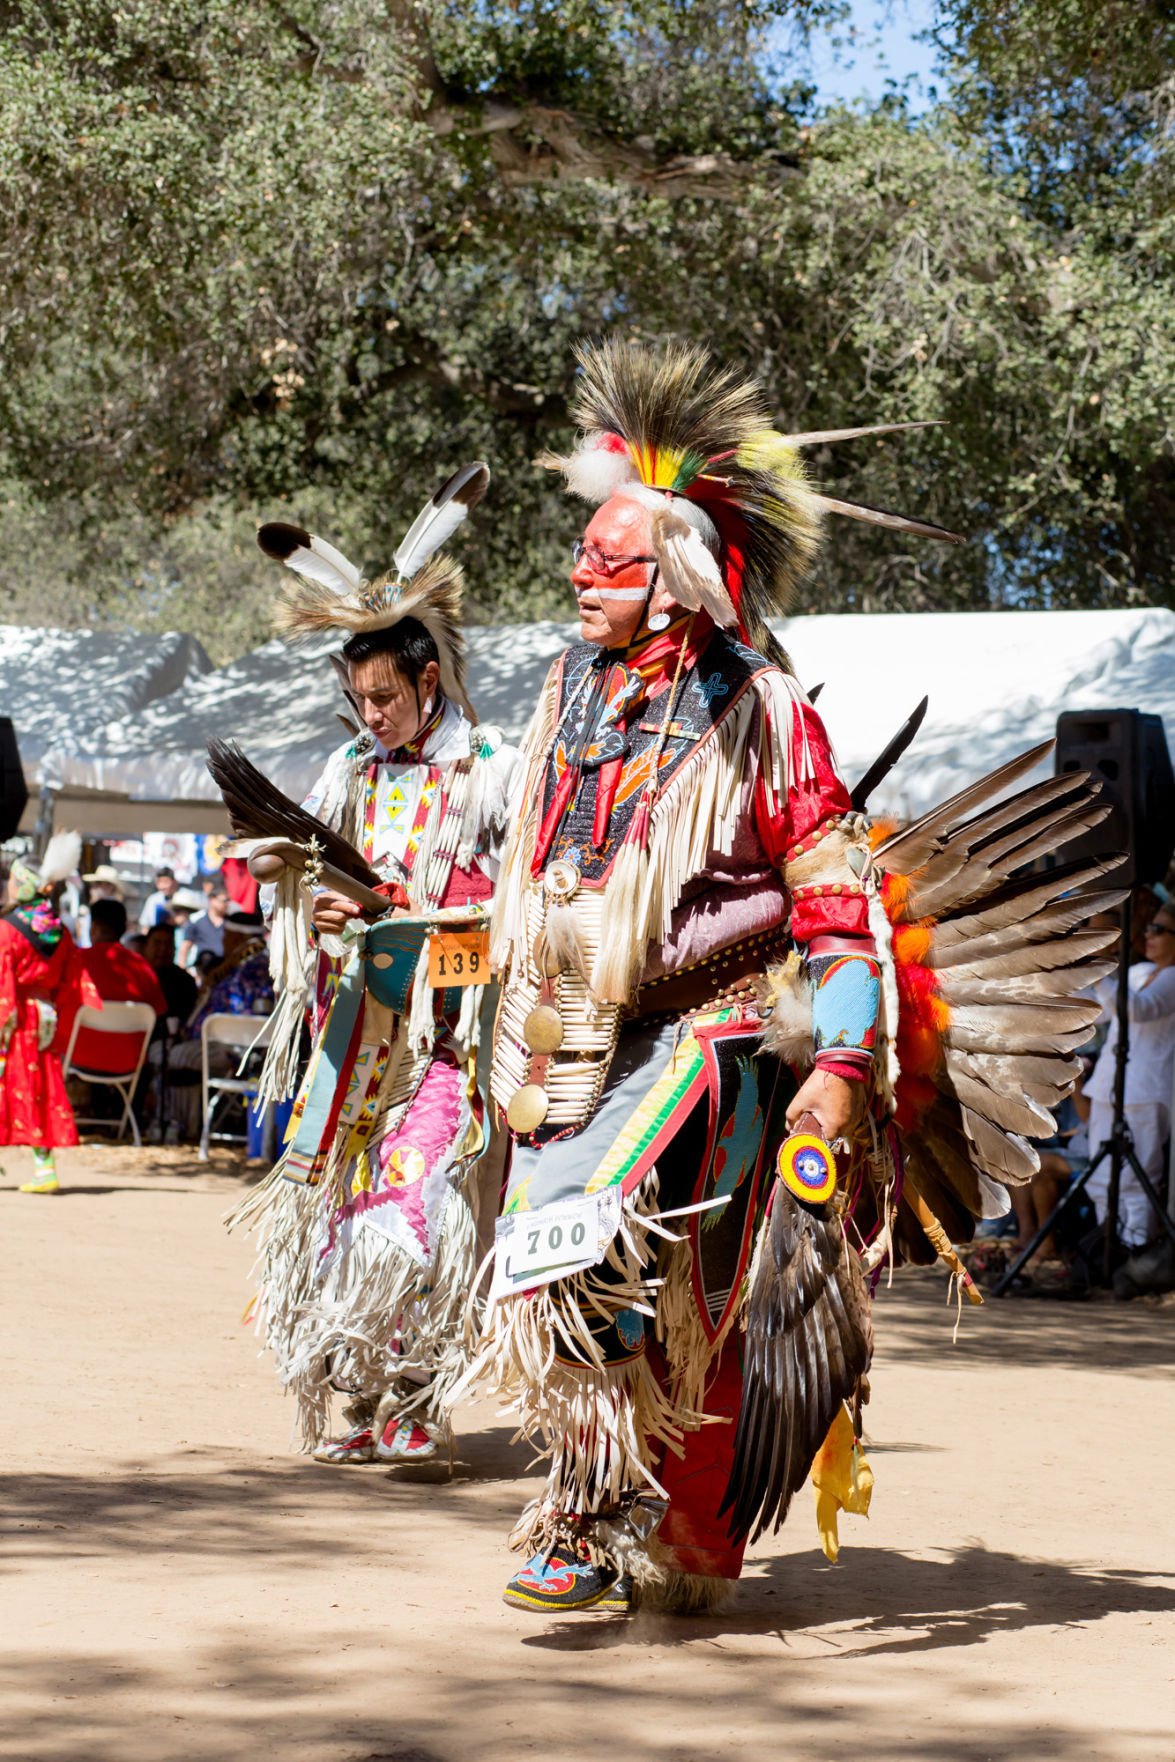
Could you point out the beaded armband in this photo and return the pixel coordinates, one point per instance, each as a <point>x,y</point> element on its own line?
<point>846,997</point>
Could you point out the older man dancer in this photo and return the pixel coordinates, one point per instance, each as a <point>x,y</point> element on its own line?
<point>684,831</point>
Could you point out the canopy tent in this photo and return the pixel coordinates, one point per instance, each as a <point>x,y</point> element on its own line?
<point>74,692</point>
<point>997,682</point>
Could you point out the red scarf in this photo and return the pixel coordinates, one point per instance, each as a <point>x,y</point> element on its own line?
<point>410,752</point>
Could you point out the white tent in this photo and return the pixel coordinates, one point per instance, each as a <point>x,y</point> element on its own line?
<point>72,693</point>
<point>996,681</point>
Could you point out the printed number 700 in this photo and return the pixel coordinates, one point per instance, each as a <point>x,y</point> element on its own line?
<point>577,1236</point>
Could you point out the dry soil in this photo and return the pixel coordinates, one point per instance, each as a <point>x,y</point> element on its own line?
<point>179,1587</point>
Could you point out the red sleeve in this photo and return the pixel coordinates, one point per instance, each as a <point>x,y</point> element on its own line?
<point>7,978</point>
<point>816,792</point>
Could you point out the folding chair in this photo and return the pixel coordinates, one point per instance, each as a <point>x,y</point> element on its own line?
<point>240,1032</point>
<point>114,1018</point>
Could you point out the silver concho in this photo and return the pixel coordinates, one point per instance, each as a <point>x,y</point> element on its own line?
<point>561,880</point>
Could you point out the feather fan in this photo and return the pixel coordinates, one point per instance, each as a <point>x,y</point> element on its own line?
<point>258,809</point>
<point>809,1342</point>
<point>992,964</point>
<point>987,1028</point>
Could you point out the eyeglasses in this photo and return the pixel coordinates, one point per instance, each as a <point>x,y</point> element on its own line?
<point>599,562</point>
<point>1156,929</point>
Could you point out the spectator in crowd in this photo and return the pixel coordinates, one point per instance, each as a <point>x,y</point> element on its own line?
<point>204,935</point>
<point>157,905</point>
<point>120,976</point>
<point>244,989</point>
<point>1052,1269</point>
<point>100,883</point>
<point>179,988</point>
<point>103,883</point>
<point>1150,1071</point>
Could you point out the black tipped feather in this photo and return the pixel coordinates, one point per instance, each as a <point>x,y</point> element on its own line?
<point>885,761</point>
<point>279,540</point>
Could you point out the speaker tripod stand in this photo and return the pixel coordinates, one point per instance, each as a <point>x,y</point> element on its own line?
<point>1118,1147</point>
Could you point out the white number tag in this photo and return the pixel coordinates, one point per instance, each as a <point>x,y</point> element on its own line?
<point>534,1247</point>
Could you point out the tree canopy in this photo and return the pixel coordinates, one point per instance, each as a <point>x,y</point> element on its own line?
<point>303,259</point>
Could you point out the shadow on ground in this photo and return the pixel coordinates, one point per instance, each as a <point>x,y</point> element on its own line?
<point>294,1512</point>
<point>771,1667</point>
<point>913,1323</point>
<point>880,1601</point>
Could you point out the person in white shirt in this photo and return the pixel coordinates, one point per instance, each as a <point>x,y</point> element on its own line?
<point>1150,1072</point>
<point>157,905</point>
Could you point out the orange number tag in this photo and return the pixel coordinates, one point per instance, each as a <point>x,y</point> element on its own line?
<point>458,957</point>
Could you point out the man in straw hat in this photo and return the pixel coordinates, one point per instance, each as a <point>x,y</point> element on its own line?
<point>684,831</point>
<point>367,1226</point>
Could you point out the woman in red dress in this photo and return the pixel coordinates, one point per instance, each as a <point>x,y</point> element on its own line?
<point>42,983</point>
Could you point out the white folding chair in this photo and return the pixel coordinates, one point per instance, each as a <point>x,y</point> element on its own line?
<point>240,1032</point>
<point>113,1018</point>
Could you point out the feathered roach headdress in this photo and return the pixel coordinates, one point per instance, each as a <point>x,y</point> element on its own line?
<point>334,594</point>
<point>735,520</point>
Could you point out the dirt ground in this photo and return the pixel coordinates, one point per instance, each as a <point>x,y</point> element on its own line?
<point>181,1588</point>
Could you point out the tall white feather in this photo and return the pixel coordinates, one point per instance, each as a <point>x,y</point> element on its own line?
<point>326,565</point>
<point>439,519</point>
<point>62,855</point>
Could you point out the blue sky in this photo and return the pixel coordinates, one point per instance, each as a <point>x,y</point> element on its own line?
<point>876,44</point>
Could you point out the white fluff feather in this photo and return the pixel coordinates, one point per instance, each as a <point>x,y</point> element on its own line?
<point>62,855</point>
<point>595,472</point>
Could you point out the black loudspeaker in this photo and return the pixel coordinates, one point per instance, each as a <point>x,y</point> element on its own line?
<point>1126,751</point>
<point>14,796</point>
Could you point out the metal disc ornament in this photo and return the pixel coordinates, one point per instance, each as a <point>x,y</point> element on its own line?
<point>807,1168</point>
<point>543,1028</point>
<point>527,1109</point>
<point>561,880</point>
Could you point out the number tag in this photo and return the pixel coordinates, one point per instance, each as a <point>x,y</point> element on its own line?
<point>534,1247</point>
<point>458,957</point>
